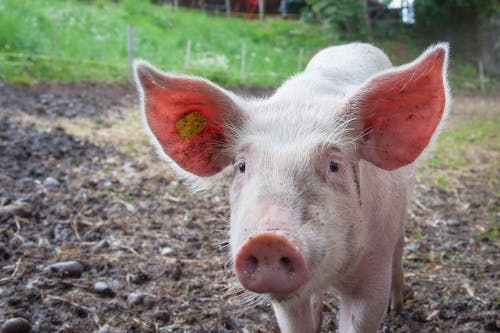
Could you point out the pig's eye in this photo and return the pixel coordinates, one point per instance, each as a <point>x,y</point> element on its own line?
<point>334,166</point>
<point>242,167</point>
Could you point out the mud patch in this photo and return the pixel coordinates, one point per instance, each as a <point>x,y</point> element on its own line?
<point>153,256</point>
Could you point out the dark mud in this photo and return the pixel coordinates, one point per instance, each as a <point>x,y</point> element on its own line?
<point>153,256</point>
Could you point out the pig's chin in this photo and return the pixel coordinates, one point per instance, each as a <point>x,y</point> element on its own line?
<point>300,293</point>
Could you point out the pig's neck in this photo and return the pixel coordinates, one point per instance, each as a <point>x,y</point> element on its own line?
<point>385,197</point>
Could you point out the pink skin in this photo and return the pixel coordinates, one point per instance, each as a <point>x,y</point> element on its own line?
<point>365,286</point>
<point>378,277</point>
<point>329,164</point>
<point>272,240</point>
<point>269,260</point>
<point>269,263</point>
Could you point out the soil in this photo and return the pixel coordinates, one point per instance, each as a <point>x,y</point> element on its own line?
<point>96,234</point>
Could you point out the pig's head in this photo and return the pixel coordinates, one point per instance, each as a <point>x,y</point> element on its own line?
<point>296,221</point>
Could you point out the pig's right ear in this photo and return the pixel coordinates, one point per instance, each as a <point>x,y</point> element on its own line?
<point>189,117</point>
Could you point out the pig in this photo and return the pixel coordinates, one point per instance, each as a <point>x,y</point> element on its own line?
<point>324,171</point>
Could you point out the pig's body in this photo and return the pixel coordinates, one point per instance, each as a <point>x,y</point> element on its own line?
<point>324,171</point>
<point>288,125</point>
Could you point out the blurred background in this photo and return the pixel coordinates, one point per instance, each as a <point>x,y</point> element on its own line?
<point>238,41</point>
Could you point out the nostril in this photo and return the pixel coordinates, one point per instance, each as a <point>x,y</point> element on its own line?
<point>251,264</point>
<point>287,264</point>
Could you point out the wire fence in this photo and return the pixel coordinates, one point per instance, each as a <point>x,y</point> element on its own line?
<point>54,66</point>
<point>25,67</point>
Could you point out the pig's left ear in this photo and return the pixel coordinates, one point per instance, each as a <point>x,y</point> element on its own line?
<point>189,117</point>
<point>399,110</point>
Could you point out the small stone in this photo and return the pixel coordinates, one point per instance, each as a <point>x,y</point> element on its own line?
<point>162,316</point>
<point>16,325</point>
<point>102,288</point>
<point>22,209</point>
<point>105,329</point>
<point>135,298</point>
<point>18,208</point>
<point>128,167</point>
<point>103,244</point>
<point>41,108</point>
<point>51,182</point>
<point>66,269</point>
<point>148,301</point>
<point>130,207</point>
<point>447,314</point>
<point>413,247</point>
<point>166,251</point>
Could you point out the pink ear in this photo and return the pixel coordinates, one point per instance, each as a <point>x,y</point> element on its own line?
<point>187,116</point>
<point>400,109</point>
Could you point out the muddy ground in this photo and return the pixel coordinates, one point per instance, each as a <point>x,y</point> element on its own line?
<point>80,183</point>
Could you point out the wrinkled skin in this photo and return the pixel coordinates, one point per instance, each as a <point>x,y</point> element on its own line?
<point>323,174</point>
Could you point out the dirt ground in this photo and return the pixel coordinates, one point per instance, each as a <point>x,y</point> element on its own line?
<point>96,235</point>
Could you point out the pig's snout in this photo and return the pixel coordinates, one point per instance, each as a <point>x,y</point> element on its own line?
<point>269,263</point>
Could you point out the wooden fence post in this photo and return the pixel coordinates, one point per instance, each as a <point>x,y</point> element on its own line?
<point>261,9</point>
<point>130,49</point>
<point>53,46</point>
<point>242,63</point>
<point>228,8</point>
<point>188,54</point>
<point>481,74</point>
<point>301,60</point>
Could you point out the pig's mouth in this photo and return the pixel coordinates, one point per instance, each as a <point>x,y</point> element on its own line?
<point>269,263</point>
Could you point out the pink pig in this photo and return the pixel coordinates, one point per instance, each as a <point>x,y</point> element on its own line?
<point>324,171</point>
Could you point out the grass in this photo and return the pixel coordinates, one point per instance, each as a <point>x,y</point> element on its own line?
<point>468,144</point>
<point>47,39</point>
<point>87,40</point>
<point>493,233</point>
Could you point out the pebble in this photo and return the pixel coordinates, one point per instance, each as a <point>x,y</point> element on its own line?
<point>16,325</point>
<point>105,329</point>
<point>66,269</point>
<point>148,301</point>
<point>18,208</point>
<point>166,251</point>
<point>128,167</point>
<point>162,316</point>
<point>130,208</point>
<point>103,244</point>
<point>135,298</point>
<point>447,314</point>
<point>102,288</point>
<point>51,182</point>
<point>413,247</point>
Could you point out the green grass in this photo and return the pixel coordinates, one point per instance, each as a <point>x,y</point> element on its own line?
<point>79,40</point>
<point>469,144</point>
<point>456,143</point>
<point>68,40</point>
<point>493,233</point>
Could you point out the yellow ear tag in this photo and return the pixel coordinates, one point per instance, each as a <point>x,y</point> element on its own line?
<point>190,125</point>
